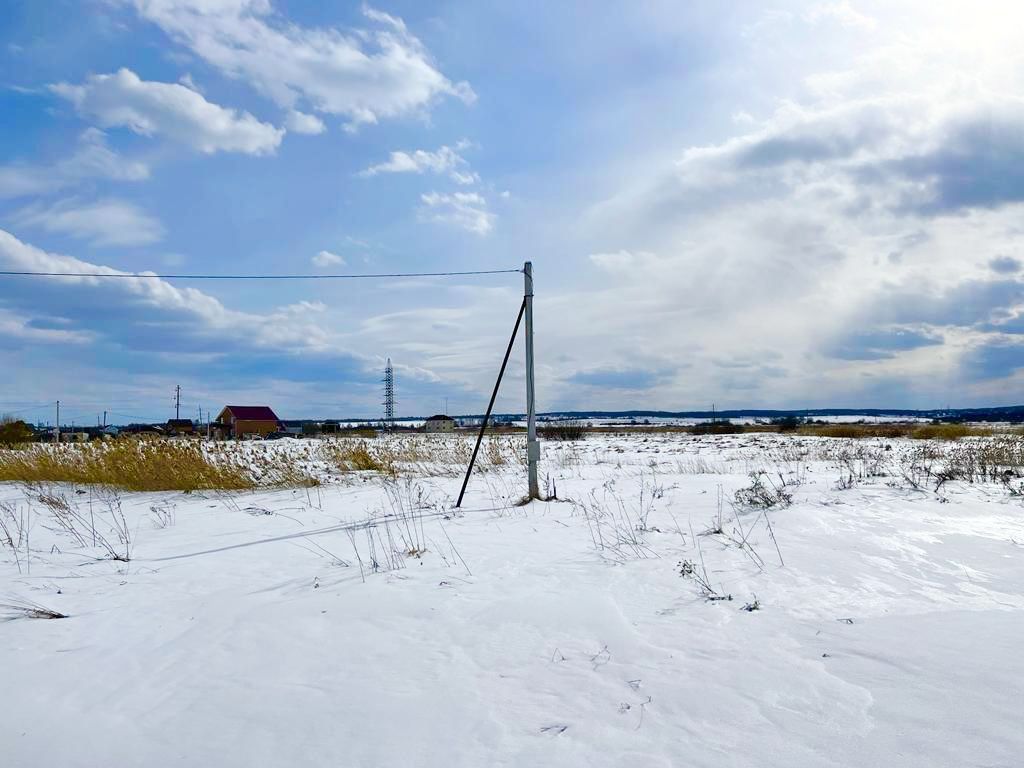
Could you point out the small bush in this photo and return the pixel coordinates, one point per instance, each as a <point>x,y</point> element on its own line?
<point>786,423</point>
<point>716,428</point>
<point>562,430</point>
<point>14,432</point>
<point>764,494</point>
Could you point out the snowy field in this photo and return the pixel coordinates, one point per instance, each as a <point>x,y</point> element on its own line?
<point>844,607</point>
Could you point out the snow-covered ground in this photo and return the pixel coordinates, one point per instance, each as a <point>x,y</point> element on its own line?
<point>277,628</point>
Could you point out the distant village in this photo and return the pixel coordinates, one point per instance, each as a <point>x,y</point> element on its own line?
<point>254,422</point>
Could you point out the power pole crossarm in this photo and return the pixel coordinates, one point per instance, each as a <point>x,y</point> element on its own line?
<point>532,446</point>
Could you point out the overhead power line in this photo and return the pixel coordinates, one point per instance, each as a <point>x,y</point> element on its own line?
<point>151,276</point>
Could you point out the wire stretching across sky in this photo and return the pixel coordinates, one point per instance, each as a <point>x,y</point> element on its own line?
<point>152,276</point>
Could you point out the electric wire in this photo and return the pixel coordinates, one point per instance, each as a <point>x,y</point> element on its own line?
<point>153,276</point>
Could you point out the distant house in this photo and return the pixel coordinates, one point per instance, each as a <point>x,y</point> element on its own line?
<point>181,427</point>
<point>439,423</point>
<point>143,429</point>
<point>247,421</point>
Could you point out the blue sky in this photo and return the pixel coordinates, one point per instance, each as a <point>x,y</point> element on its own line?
<point>798,204</point>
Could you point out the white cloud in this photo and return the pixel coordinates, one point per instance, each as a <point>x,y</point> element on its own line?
<point>92,159</point>
<point>300,122</point>
<point>621,261</point>
<point>199,320</point>
<point>328,259</point>
<point>363,74</point>
<point>104,222</point>
<point>14,326</point>
<point>445,160</point>
<point>466,210</point>
<point>870,204</point>
<point>26,180</point>
<point>841,12</point>
<point>170,109</point>
<point>95,159</point>
<point>189,83</point>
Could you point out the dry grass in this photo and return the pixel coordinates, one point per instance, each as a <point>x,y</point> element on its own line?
<point>17,608</point>
<point>419,455</point>
<point>350,455</point>
<point>948,432</point>
<point>147,465</point>
<point>856,431</point>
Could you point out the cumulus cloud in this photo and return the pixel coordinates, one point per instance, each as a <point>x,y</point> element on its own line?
<point>300,122</point>
<point>132,336</point>
<point>328,259</point>
<point>92,158</point>
<point>169,109</point>
<point>446,161</point>
<point>363,74</point>
<point>465,210</point>
<point>873,199</point>
<point>108,222</point>
<point>153,314</point>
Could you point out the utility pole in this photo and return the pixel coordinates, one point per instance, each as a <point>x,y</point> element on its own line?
<point>57,433</point>
<point>532,446</point>
<point>177,402</point>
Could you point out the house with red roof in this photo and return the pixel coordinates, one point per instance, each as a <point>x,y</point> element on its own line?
<point>247,421</point>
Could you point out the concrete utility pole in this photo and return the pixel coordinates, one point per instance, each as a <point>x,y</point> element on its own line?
<point>57,433</point>
<point>532,446</point>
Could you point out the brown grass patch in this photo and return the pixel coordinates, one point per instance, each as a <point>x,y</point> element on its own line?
<point>146,465</point>
<point>359,456</point>
<point>948,432</point>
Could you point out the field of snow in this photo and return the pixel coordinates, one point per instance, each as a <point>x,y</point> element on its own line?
<point>838,611</point>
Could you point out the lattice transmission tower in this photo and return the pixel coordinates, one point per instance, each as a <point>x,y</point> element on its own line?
<point>389,396</point>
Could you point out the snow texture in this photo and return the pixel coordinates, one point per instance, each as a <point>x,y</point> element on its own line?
<point>880,627</point>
